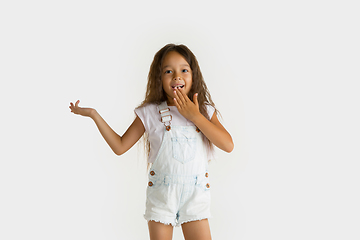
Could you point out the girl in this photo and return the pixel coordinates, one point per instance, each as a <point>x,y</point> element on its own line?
<point>180,124</point>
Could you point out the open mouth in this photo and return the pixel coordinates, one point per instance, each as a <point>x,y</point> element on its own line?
<point>178,86</point>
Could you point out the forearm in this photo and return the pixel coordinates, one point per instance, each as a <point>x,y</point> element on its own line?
<point>216,134</point>
<point>110,136</point>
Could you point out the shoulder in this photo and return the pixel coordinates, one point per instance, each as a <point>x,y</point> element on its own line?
<point>147,113</point>
<point>146,108</point>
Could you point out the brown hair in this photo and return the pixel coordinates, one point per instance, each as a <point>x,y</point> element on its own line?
<point>155,92</point>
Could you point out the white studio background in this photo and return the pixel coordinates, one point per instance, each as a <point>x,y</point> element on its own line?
<point>282,73</point>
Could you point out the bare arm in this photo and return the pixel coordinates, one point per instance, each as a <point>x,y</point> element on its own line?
<point>215,132</point>
<point>119,144</point>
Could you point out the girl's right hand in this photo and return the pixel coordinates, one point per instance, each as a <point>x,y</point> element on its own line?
<point>87,112</point>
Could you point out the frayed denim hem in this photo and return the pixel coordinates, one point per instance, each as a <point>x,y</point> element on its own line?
<point>175,223</point>
<point>195,218</point>
<point>160,220</point>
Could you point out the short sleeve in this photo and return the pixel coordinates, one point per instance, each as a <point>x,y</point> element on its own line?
<point>210,110</point>
<point>140,112</point>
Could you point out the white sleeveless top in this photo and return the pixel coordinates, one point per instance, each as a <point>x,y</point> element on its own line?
<point>151,119</point>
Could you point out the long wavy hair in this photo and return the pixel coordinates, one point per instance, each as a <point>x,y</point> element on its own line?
<point>156,94</point>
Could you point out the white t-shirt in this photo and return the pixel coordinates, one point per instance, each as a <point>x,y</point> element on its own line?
<point>151,119</point>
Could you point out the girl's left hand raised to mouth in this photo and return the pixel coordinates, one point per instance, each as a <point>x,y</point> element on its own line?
<point>185,106</point>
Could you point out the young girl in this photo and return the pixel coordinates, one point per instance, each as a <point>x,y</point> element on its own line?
<point>180,124</point>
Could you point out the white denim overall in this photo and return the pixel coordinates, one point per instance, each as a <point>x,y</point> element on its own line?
<point>178,190</point>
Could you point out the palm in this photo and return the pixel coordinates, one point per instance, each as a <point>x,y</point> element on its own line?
<point>79,110</point>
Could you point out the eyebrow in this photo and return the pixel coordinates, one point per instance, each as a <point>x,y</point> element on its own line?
<point>185,65</point>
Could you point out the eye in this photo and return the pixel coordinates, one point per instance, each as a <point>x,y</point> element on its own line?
<point>168,71</point>
<point>185,70</point>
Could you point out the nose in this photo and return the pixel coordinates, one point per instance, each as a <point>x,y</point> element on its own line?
<point>177,78</point>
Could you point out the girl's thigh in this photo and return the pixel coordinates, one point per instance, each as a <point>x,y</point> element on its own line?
<point>159,231</point>
<point>196,230</point>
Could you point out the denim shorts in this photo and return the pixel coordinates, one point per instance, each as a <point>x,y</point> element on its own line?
<point>176,199</point>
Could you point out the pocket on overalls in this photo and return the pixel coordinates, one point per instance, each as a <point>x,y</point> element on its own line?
<point>183,149</point>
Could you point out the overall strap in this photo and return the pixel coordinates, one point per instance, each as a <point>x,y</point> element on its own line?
<point>166,117</point>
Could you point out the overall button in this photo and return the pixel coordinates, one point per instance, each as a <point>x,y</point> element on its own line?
<point>206,174</point>
<point>208,185</point>
<point>152,173</point>
<point>150,184</point>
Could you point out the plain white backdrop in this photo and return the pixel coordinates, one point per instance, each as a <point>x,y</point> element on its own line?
<point>284,75</point>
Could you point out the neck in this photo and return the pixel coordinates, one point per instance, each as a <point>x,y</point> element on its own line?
<point>170,102</point>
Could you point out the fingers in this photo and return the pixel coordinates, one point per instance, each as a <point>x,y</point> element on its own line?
<point>177,102</point>
<point>180,96</point>
<point>196,100</point>
<point>74,108</point>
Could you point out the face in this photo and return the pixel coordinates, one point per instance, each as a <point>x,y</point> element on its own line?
<point>176,73</point>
